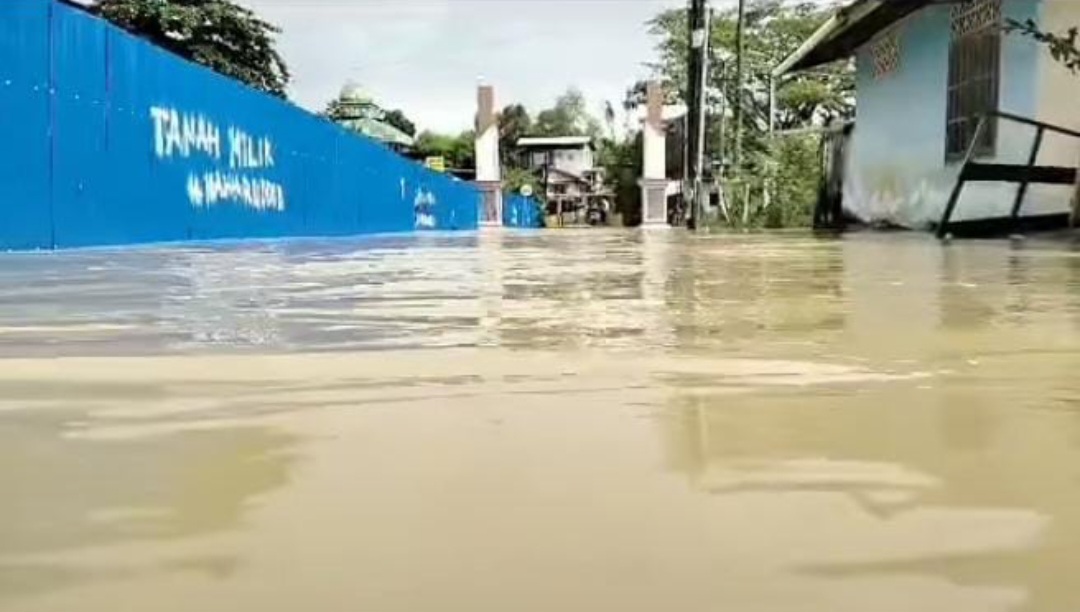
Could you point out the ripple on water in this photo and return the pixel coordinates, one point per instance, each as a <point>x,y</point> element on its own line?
<point>541,421</point>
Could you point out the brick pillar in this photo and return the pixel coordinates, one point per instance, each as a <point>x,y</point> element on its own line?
<point>654,181</point>
<point>488,172</point>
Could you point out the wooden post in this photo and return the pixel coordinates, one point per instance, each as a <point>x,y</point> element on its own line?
<point>746,205</point>
<point>1022,191</point>
<point>740,49</point>
<point>954,198</point>
<point>1075,220</point>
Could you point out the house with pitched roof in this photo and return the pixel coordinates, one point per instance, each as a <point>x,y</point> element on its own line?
<point>955,112</point>
<point>573,182</point>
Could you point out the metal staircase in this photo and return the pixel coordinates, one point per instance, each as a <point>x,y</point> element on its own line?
<point>1024,175</point>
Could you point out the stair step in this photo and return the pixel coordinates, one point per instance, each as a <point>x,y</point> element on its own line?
<point>999,227</point>
<point>1011,173</point>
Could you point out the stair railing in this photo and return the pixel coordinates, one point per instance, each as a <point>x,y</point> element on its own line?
<point>966,167</point>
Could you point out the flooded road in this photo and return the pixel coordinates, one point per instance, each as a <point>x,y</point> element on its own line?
<point>572,421</point>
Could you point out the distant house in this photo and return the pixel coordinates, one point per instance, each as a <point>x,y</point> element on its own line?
<point>927,71</point>
<point>573,184</point>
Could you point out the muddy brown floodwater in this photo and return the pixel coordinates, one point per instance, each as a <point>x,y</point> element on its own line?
<point>572,421</point>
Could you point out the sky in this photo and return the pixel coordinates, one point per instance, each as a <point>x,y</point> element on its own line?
<point>427,56</point>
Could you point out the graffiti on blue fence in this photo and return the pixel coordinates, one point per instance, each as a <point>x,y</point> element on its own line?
<point>522,211</point>
<point>424,205</point>
<point>187,135</point>
<point>119,142</point>
<point>183,134</point>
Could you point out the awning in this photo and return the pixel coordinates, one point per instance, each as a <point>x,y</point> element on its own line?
<point>850,28</point>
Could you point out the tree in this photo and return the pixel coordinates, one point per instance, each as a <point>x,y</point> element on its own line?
<point>622,164</point>
<point>569,117</point>
<point>398,119</point>
<point>795,176</point>
<point>609,119</point>
<point>218,34</point>
<point>1063,46</point>
<point>459,151</point>
<point>516,178</point>
<point>773,30</point>
<point>335,110</point>
<point>514,122</point>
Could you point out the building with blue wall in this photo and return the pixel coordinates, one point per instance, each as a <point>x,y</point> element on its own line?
<point>926,69</point>
<point>110,140</point>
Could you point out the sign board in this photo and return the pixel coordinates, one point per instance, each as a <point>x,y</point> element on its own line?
<point>438,164</point>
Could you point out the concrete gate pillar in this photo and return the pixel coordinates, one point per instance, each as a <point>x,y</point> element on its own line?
<point>488,172</point>
<point>653,183</point>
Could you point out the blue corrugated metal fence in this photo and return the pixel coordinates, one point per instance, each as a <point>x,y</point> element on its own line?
<point>110,140</point>
<point>520,211</point>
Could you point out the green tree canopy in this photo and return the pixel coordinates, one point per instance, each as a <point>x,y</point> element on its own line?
<point>622,164</point>
<point>218,34</point>
<point>569,117</point>
<point>514,122</point>
<point>516,178</point>
<point>401,121</point>
<point>458,150</point>
<point>773,30</point>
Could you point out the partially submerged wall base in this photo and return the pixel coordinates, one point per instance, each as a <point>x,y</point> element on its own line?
<point>654,202</point>
<point>491,203</point>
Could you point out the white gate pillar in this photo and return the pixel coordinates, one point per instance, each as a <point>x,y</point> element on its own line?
<point>488,172</point>
<point>654,183</point>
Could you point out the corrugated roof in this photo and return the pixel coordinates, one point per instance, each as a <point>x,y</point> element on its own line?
<point>851,27</point>
<point>379,130</point>
<point>554,141</point>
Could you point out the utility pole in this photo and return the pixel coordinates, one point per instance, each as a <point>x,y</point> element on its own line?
<point>772,105</point>
<point>740,49</point>
<point>695,99</point>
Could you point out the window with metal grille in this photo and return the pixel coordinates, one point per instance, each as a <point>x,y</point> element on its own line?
<point>885,53</point>
<point>974,74</point>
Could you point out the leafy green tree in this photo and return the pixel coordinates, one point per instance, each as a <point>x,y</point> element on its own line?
<point>401,121</point>
<point>774,29</point>
<point>514,122</point>
<point>569,117</point>
<point>516,178</point>
<point>622,164</point>
<point>458,150</point>
<point>794,176</point>
<point>609,120</point>
<point>218,34</point>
